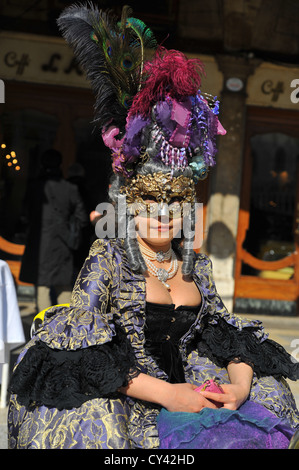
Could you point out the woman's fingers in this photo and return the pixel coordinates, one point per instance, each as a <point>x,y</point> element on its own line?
<point>219,397</point>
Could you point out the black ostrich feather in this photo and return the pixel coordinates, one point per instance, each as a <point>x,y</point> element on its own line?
<point>111,53</point>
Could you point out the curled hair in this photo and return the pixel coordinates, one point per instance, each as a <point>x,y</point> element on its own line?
<point>127,220</point>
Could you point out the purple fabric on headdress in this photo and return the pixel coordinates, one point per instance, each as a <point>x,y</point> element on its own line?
<point>183,128</point>
<point>180,114</point>
<point>119,165</point>
<point>132,142</point>
<point>173,118</point>
<point>204,130</point>
<point>250,427</point>
<point>220,128</point>
<point>109,138</point>
<point>162,112</point>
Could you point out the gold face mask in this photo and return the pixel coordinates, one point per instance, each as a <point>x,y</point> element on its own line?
<point>147,194</point>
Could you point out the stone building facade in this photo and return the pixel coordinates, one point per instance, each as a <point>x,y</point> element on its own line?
<point>251,198</point>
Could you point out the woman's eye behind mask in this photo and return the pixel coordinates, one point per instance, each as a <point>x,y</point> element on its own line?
<point>150,207</point>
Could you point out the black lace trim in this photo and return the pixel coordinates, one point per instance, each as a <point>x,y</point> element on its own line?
<point>223,343</point>
<point>65,379</point>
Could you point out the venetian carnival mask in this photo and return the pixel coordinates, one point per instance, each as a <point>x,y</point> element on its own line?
<point>149,194</point>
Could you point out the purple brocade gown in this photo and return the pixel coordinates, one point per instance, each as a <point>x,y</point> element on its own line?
<point>64,388</point>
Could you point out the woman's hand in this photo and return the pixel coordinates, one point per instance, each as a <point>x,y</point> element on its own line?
<point>232,398</point>
<point>173,397</point>
<point>237,391</point>
<point>183,398</point>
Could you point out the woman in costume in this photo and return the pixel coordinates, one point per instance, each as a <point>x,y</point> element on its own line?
<point>119,367</point>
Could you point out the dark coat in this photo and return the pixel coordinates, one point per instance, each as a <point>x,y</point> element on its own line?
<point>48,260</point>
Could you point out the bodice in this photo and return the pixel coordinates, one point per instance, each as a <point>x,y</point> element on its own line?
<point>164,328</point>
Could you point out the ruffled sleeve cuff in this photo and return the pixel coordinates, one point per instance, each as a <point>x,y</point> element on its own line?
<point>65,379</point>
<point>223,343</point>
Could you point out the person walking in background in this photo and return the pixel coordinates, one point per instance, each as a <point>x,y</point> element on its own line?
<point>56,217</point>
<point>77,176</point>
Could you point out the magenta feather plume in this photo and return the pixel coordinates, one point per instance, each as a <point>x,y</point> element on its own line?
<point>169,73</point>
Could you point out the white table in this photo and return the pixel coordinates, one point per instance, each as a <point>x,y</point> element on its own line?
<point>11,328</point>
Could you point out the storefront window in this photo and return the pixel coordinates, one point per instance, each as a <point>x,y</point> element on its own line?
<point>28,133</point>
<point>271,231</point>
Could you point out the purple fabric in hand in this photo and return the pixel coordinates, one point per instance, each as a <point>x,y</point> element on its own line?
<point>252,426</point>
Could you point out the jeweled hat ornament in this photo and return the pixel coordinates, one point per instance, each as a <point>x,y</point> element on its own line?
<point>146,109</point>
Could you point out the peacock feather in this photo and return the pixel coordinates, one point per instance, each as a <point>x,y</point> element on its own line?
<point>112,53</point>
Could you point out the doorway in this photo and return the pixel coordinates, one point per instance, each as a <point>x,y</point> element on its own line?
<point>267,258</point>
<point>34,119</point>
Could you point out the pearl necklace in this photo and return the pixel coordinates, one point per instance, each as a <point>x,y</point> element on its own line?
<point>162,274</point>
<point>159,256</point>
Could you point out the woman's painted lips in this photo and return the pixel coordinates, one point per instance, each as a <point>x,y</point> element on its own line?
<point>163,228</point>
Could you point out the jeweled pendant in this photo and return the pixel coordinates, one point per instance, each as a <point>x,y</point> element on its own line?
<point>160,256</point>
<point>162,275</point>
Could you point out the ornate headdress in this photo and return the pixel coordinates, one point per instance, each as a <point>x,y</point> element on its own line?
<point>144,108</point>
<point>148,110</point>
